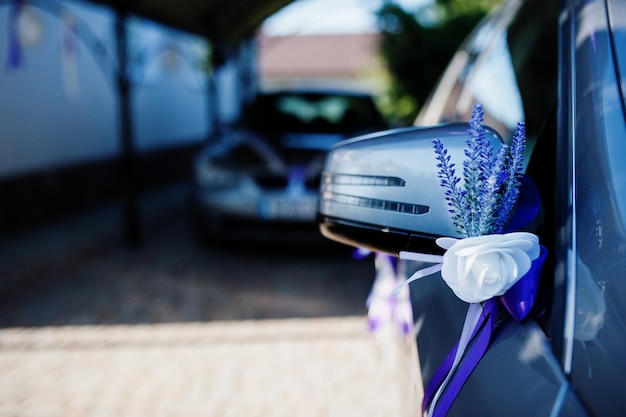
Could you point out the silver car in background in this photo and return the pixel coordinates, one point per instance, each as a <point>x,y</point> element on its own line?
<point>258,181</point>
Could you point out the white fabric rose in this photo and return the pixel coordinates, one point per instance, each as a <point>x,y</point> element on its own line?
<point>481,267</point>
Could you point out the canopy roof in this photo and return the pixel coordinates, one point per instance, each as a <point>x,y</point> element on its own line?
<point>219,20</point>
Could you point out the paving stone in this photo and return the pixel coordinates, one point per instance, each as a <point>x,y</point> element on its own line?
<point>175,330</point>
<point>304,367</point>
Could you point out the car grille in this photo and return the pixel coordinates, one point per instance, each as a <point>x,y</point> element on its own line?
<point>277,182</point>
<point>271,182</point>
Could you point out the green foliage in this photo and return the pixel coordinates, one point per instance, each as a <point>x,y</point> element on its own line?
<point>460,7</point>
<point>417,47</point>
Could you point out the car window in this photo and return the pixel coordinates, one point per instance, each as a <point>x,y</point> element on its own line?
<point>618,22</point>
<point>509,66</point>
<point>330,109</point>
<point>599,251</point>
<point>314,113</point>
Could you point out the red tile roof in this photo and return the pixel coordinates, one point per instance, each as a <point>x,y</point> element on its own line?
<point>318,56</point>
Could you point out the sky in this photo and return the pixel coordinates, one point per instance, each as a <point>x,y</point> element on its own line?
<point>308,17</point>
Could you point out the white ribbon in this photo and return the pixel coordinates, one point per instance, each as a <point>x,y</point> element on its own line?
<point>424,272</point>
<point>471,319</point>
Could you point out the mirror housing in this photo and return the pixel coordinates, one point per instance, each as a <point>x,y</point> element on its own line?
<point>381,191</point>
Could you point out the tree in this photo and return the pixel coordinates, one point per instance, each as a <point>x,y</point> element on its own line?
<point>417,47</point>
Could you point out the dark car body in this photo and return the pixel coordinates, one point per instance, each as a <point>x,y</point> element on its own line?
<point>258,181</point>
<point>561,68</point>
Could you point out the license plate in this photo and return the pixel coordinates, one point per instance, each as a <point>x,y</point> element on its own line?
<point>301,210</point>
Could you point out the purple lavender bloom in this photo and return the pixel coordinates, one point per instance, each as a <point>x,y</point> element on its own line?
<point>490,200</point>
<point>474,169</point>
<point>449,182</point>
<point>512,167</point>
<point>491,184</point>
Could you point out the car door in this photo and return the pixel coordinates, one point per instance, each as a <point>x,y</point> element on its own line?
<point>591,227</point>
<point>509,65</point>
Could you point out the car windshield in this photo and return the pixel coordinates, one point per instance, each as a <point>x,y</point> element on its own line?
<point>517,57</point>
<point>313,113</point>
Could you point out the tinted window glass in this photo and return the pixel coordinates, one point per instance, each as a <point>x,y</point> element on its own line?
<point>618,23</point>
<point>511,71</point>
<point>599,334</point>
<point>321,113</point>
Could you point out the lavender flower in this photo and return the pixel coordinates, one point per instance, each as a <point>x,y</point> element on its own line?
<point>491,186</point>
<point>513,165</point>
<point>490,200</point>
<point>454,196</point>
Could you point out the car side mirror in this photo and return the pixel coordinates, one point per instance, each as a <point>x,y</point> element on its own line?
<point>381,191</point>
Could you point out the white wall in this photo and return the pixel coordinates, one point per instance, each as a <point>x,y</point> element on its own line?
<point>170,87</point>
<point>44,123</point>
<point>41,125</point>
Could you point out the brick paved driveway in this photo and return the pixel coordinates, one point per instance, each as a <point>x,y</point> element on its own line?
<point>172,329</point>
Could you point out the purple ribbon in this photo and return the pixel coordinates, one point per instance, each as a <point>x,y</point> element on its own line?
<point>14,58</point>
<point>527,206</point>
<point>520,298</point>
<point>477,346</point>
<point>518,301</point>
<point>383,307</point>
<point>69,43</point>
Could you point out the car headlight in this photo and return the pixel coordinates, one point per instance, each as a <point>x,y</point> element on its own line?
<point>209,175</point>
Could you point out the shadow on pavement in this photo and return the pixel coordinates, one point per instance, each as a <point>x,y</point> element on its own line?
<point>79,272</point>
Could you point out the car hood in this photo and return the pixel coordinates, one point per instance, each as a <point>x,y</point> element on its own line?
<point>278,154</point>
<point>311,141</point>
